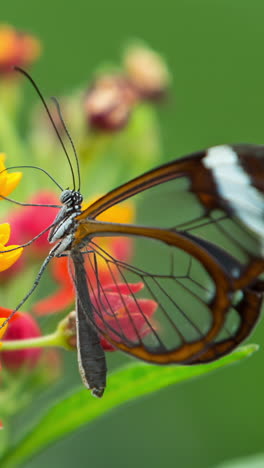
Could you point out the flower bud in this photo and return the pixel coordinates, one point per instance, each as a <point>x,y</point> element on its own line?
<point>109,103</point>
<point>147,71</point>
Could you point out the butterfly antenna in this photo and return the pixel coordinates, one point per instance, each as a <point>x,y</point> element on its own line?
<point>33,167</point>
<point>70,139</point>
<point>23,72</point>
<point>41,205</point>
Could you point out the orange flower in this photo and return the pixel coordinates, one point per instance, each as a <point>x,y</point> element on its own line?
<point>16,48</point>
<point>7,257</point>
<point>8,182</point>
<point>120,248</point>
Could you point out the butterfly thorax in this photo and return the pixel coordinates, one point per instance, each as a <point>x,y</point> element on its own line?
<point>64,223</point>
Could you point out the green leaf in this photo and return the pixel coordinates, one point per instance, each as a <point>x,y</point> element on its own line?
<point>125,384</point>
<point>257,461</point>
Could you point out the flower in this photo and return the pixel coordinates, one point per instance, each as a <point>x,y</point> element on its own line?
<point>21,326</point>
<point>7,256</point>
<point>8,182</point>
<point>27,222</point>
<point>147,71</point>
<point>109,102</point>
<point>117,247</point>
<point>16,48</point>
<point>119,309</point>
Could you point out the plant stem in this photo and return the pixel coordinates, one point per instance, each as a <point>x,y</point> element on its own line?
<point>53,339</point>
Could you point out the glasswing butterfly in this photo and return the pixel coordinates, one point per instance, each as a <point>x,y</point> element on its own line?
<point>201,266</point>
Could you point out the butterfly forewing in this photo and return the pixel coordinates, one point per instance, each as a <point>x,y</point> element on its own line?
<point>194,271</point>
<point>208,194</point>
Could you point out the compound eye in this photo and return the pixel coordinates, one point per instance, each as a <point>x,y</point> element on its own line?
<point>80,198</point>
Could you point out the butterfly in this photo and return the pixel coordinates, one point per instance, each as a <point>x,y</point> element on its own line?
<point>198,257</point>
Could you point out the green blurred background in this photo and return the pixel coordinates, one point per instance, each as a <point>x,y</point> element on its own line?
<point>215,51</point>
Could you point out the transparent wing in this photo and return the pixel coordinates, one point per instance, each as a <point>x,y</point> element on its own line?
<point>222,202</point>
<point>165,306</point>
<point>199,272</point>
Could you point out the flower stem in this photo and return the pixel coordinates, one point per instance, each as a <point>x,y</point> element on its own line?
<point>45,341</point>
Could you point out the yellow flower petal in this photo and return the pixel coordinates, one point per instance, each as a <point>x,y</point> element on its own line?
<point>8,182</point>
<point>121,213</point>
<point>3,329</point>
<point>2,159</point>
<point>7,259</point>
<point>12,181</point>
<point>4,233</point>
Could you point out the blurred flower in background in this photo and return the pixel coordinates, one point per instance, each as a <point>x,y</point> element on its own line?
<point>9,253</point>
<point>109,102</point>
<point>8,181</point>
<point>147,71</point>
<point>16,48</point>
<point>111,98</point>
<point>30,221</point>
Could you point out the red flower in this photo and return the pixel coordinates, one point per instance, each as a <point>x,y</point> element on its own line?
<point>119,309</point>
<point>21,326</point>
<point>27,222</point>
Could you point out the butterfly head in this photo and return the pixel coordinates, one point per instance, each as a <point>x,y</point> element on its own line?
<point>71,199</point>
